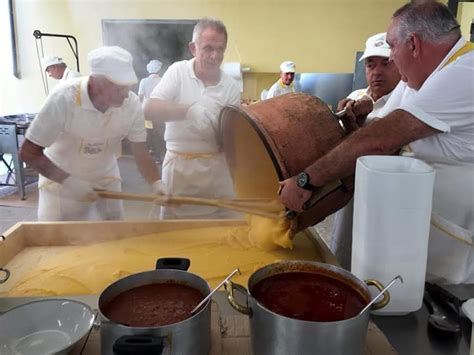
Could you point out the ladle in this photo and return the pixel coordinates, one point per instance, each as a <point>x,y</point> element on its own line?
<point>214,290</point>
<point>381,293</point>
<point>468,309</point>
<point>437,319</point>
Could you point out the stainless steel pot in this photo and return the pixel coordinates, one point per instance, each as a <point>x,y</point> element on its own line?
<point>191,336</point>
<point>275,334</point>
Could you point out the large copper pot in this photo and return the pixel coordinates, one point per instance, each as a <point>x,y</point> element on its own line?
<point>275,139</point>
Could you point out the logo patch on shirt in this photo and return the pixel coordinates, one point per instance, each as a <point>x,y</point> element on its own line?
<point>93,149</point>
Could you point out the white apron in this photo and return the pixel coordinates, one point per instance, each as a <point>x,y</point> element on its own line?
<point>199,175</point>
<point>54,203</point>
<point>195,166</point>
<point>85,149</point>
<point>450,250</point>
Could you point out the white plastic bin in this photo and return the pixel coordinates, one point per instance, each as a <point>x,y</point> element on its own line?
<point>392,210</point>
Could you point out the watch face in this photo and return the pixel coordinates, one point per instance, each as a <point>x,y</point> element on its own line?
<point>302,179</point>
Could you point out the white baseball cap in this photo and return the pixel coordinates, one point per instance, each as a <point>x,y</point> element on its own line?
<point>48,61</point>
<point>287,67</point>
<point>115,63</point>
<point>154,66</point>
<point>376,46</point>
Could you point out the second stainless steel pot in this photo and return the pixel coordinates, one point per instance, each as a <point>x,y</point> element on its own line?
<point>191,336</point>
<point>275,334</point>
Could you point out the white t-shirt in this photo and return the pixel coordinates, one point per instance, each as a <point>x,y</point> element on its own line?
<point>378,105</point>
<point>80,139</point>
<point>279,89</point>
<point>446,102</point>
<point>181,85</point>
<point>148,84</point>
<point>70,74</point>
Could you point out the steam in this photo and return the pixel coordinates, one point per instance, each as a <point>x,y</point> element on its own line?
<point>166,41</point>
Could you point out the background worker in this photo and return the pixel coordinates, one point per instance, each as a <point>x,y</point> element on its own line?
<point>57,69</point>
<point>382,76</point>
<point>285,84</point>
<point>155,130</point>
<point>148,84</point>
<point>433,112</point>
<point>73,140</point>
<point>189,98</point>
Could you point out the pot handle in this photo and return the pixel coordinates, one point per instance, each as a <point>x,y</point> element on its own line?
<point>230,287</point>
<point>173,263</point>
<point>6,275</point>
<point>386,295</point>
<point>138,344</point>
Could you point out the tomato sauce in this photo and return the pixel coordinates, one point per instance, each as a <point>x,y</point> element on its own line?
<point>308,296</point>
<point>153,305</point>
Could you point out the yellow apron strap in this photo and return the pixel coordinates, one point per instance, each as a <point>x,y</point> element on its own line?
<point>469,46</point>
<point>194,155</point>
<point>78,96</point>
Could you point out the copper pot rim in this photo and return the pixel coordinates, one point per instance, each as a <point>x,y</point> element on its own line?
<point>269,145</point>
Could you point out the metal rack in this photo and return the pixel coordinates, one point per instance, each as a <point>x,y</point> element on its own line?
<point>9,145</point>
<point>12,128</point>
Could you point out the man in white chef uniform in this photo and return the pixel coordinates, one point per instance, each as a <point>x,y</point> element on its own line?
<point>57,68</point>
<point>382,76</point>
<point>189,98</point>
<point>284,85</point>
<point>432,110</point>
<point>149,83</point>
<point>155,131</point>
<point>73,140</point>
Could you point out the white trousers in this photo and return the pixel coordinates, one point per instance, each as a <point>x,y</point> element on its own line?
<point>55,205</point>
<point>198,175</point>
<point>341,235</point>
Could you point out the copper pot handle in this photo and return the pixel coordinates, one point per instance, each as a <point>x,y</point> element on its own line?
<point>386,295</point>
<point>230,287</point>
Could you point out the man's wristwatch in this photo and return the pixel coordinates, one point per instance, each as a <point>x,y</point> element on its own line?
<point>302,180</point>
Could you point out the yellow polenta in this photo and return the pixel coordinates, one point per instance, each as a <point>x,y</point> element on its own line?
<point>214,252</point>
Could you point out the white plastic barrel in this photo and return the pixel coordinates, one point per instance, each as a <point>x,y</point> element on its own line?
<point>392,210</point>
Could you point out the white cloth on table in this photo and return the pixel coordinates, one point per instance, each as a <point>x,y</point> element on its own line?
<point>82,141</point>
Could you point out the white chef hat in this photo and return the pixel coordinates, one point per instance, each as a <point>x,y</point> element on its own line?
<point>376,46</point>
<point>287,67</point>
<point>115,63</point>
<point>154,66</point>
<point>48,61</point>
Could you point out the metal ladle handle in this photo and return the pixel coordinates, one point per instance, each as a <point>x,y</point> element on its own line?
<point>216,289</point>
<point>381,293</point>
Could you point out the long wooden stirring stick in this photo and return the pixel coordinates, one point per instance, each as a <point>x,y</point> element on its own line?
<point>262,207</point>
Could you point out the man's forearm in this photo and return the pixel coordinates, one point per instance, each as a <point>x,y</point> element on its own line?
<point>145,163</point>
<point>382,137</point>
<point>32,154</point>
<point>161,111</point>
